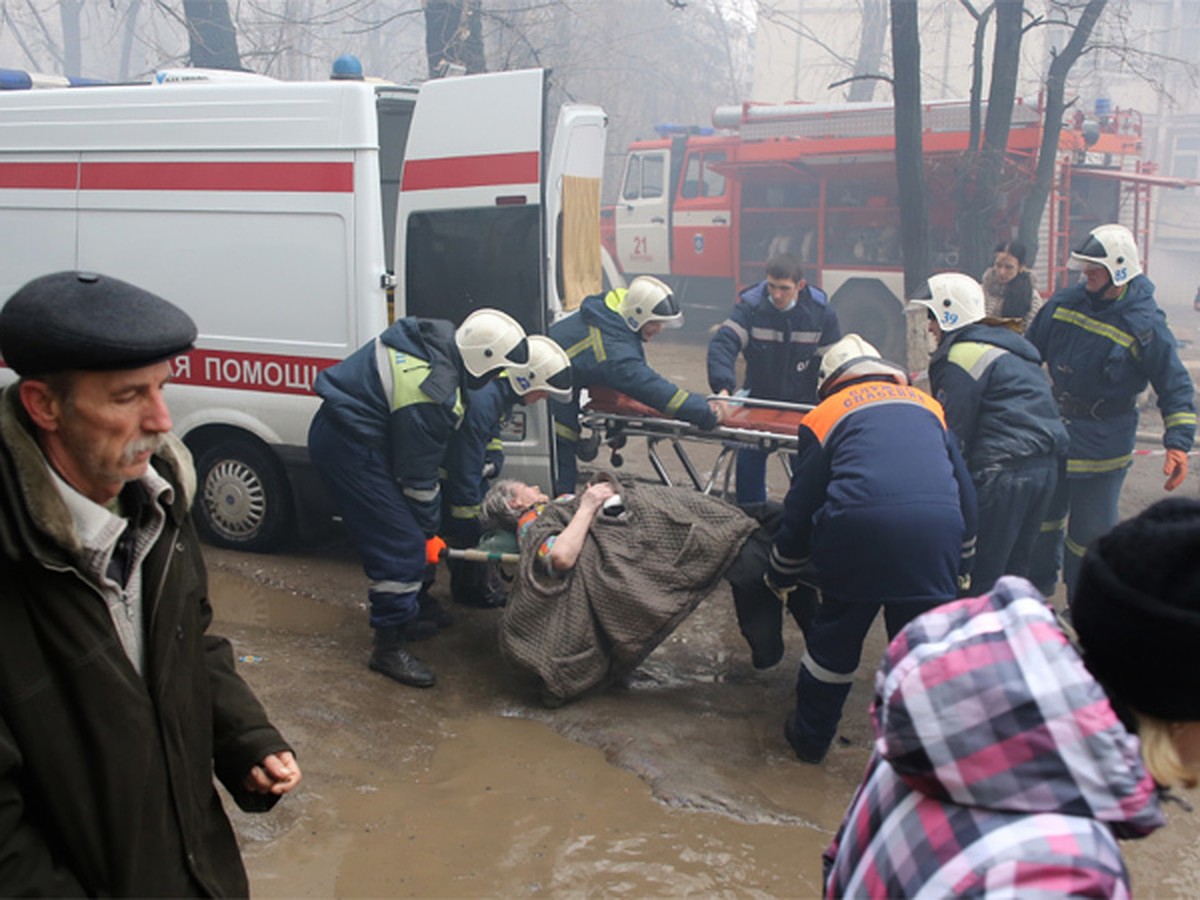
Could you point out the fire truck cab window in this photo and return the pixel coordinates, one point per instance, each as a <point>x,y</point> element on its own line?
<point>700,179</point>
<point>653,175</point>
<point>633,179</point>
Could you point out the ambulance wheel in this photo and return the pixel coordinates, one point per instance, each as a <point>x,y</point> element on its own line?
<point>242,500</point>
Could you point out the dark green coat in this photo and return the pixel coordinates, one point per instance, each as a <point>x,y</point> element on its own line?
<point>106,777</point>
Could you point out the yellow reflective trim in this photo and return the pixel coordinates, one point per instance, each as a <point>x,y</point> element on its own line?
<point>613,299</point>
<point>597,344</point>
<point>974,357</point>
<point>677,401</point>
<point>1097,466</point>
<point>565,432</point>
<point>1179,418</point>
<point>594,342</point>
<point>1074,549</point>
<point>495,444</point>
<point>1095,326</point>
<point>1051,525</point>
<point>465,512</point>
<point>408,374</point>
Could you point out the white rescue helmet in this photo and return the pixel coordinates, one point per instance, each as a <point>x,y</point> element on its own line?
<point>955,299</point>
<point>1113,247</point>
<point>852,358</point>
<point>649,300</point>
<point>548,369</point>
<point>489,340</point>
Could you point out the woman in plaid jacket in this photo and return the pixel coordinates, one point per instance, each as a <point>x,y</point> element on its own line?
<point>1009,760</point>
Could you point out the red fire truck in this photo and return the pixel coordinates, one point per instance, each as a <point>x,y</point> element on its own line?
<point>704,208</point>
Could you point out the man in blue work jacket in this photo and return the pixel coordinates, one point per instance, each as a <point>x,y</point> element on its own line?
<point>881,510</point>
<point>997,400</point>
<point>378,441</point>
<point>605,340</point>
<point>1103,340</point>
<point>781,326</point>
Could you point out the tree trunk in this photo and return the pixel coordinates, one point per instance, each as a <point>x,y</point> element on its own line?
<point>68,11</point>
<point>1056,84</point>
<point>976,225</point>
<point>870,51</point>
<point>910,161</point>
<point>453,37</point>
<point>212,38</point>
<point>128,36</point>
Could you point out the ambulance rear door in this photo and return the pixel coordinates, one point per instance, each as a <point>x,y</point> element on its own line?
<point>482,221</point>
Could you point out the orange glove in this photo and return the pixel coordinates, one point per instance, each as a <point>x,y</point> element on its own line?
<point>434,548</point>
<point>1175,468</point>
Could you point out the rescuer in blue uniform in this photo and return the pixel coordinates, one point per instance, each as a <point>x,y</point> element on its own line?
<point>476,456</point>
<point>781,325</point>
<point>1103,340</point>
<point>881,512</point>
<point>378,441</point>
<point>997,400</point>
<point>605,340</point>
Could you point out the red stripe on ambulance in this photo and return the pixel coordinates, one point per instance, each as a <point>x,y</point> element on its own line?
<point>268,372</point>
<point>52,176</point>
<point>300,177</point>
<point>471,171</point>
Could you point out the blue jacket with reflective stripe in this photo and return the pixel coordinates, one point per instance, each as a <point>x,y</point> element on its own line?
<point>400,393</point>
<point>879,488</point>
<point>471,448</point>
<point>604,351</point>
<point>998,403</point>
<point>780,347</point>
<point>1108,353</point>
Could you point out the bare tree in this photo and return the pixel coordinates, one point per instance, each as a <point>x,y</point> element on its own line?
<point>870,51</point>
<point>1056,85</point>
<point>982,165</point>
<point>453,37</point>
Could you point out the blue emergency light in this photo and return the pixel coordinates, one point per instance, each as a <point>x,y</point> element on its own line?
<point>19,80</point>
<point>666,129</point>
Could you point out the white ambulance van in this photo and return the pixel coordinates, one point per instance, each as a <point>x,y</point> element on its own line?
<point>293,221</point>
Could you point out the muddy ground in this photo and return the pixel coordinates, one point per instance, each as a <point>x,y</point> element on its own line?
<point>680,783</point>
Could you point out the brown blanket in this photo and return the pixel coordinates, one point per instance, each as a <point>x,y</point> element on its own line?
<point>638,576</point>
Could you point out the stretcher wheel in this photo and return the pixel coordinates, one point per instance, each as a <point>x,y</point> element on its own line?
<point>617,460</point>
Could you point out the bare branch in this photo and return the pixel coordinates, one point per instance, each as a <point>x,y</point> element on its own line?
<point>884,78</point>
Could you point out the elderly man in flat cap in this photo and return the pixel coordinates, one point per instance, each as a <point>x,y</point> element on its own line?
<point>116,706</point>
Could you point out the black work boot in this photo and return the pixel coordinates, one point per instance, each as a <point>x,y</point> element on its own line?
<point>391,659</point>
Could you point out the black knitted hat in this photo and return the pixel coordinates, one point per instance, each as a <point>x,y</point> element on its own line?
<point>1136,609</point>
<point>83,321</point>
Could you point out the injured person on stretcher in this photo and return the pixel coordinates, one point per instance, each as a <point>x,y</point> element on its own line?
<point>605,576</point>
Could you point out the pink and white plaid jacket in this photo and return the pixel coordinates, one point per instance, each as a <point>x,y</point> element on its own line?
<point>1000,769</point>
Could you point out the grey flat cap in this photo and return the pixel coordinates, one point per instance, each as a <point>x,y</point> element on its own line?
<point>83,321</point>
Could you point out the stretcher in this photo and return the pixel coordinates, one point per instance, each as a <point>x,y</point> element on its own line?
<point>494,546</point>
<point>769,426</point>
